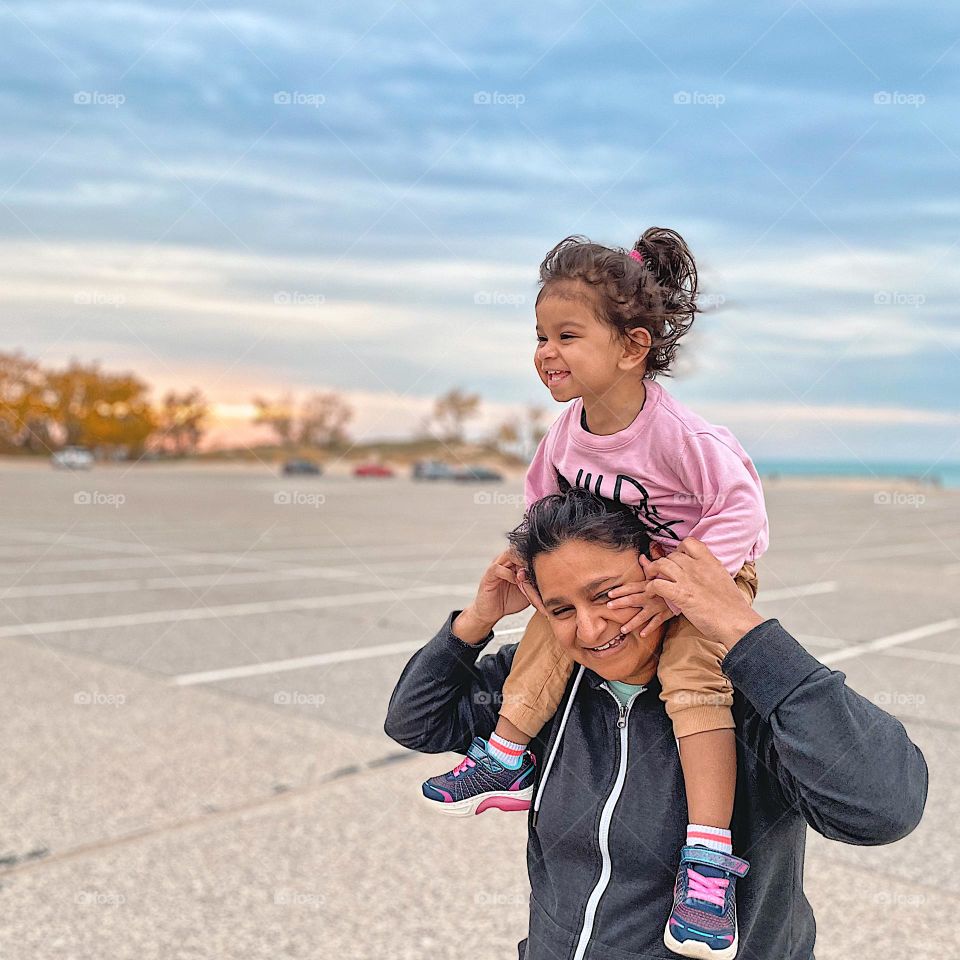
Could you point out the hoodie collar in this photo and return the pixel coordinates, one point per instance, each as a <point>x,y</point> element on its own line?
<point>594,680</point>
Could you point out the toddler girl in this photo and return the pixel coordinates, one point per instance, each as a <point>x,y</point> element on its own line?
<point>608,322</point>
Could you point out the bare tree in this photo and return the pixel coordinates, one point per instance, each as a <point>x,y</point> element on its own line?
<point>452,410</point>
<point>506,436</point>
<point>535,426</point>
<point>183,419</point>
<point>277,415</point>
<point>323,420</point>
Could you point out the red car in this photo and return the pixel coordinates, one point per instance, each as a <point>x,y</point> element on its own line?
<point>372,470</point>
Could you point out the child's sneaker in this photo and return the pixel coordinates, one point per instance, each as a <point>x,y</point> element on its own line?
<point>704,918</point>
<point>480,783</point>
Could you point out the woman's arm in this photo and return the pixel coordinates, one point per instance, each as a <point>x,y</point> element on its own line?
<point>847,765</point>
<point>445,695</point>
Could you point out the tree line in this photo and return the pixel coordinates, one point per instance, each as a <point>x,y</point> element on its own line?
<point>44,409</point>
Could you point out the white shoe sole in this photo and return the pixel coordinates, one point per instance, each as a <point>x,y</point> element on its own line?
<point>468,807</point>
<point>694,948</point>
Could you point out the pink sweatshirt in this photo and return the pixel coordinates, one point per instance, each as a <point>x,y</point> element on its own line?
<point>684,476</point>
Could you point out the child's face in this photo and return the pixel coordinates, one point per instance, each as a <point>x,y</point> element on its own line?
<point>578,355</point>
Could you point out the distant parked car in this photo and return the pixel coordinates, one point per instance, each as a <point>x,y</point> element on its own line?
<point>477,473</point>
<point>302,467</point>
<point>72,458</point>
<point>372,470</point>
<point>432,470</point>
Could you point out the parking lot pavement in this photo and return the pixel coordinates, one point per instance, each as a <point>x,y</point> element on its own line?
<point>197,663</point>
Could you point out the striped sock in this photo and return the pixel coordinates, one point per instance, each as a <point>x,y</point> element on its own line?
<point>506,752</point>
<point>715,838</point>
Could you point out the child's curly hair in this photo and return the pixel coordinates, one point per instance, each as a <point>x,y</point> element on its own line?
<point>658,294</point>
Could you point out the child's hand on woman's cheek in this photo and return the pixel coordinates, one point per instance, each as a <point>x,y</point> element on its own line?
<point>652,611</point>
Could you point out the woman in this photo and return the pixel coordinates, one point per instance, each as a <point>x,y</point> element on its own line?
<point>608,813</point>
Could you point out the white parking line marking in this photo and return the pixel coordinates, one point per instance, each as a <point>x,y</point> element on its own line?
<point>314,660</point>
<point>262,558</point>
<point>389,649</point>
<point>893,640</point>
<point>294,663</point>
<point>881,645</point>
<point>224,579</point>
<point>881,553</point>
<point>806,638</point>
<point>929,656</point>
<point>804,590</point>
<point>231,610</point>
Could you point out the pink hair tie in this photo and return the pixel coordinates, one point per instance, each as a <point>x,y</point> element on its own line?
<point>637,255</point>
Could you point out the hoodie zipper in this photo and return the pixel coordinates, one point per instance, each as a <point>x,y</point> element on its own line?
<point>606,816</point>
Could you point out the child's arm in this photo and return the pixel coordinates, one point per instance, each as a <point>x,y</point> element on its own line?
<point>734,517</point>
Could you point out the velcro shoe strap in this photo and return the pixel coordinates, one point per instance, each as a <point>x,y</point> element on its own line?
<point>714,858</point>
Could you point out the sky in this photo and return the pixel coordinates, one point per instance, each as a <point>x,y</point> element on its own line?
<point>256,198</point>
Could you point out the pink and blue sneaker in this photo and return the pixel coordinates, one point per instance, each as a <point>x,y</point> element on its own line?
<point>703,922</point>
<point>479,782</point>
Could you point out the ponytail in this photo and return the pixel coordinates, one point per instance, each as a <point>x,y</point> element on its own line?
<point>669,259</point>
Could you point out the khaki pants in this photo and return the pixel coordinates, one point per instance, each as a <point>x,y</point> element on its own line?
<point>695,691</point>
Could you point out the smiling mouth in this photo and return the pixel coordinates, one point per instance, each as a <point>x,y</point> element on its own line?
<point>611,644</point>
<point>556,376</point>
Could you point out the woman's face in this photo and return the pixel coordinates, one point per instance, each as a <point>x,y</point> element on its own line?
<point>573,581</point>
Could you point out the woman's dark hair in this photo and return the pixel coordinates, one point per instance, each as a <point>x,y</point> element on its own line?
<point>659,294</point>
<point>576,514</point>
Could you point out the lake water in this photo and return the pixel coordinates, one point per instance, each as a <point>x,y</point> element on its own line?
<point>946,474</point>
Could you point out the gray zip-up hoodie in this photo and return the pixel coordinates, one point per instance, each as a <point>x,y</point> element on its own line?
<point>609,812</point>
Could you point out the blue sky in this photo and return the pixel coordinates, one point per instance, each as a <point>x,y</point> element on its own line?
<point>256,197</point>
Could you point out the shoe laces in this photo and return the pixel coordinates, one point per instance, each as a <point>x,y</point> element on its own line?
<point>710,889</point>
<point>464,764</point>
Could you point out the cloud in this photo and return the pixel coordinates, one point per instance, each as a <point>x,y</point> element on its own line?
<point>382,230</point>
